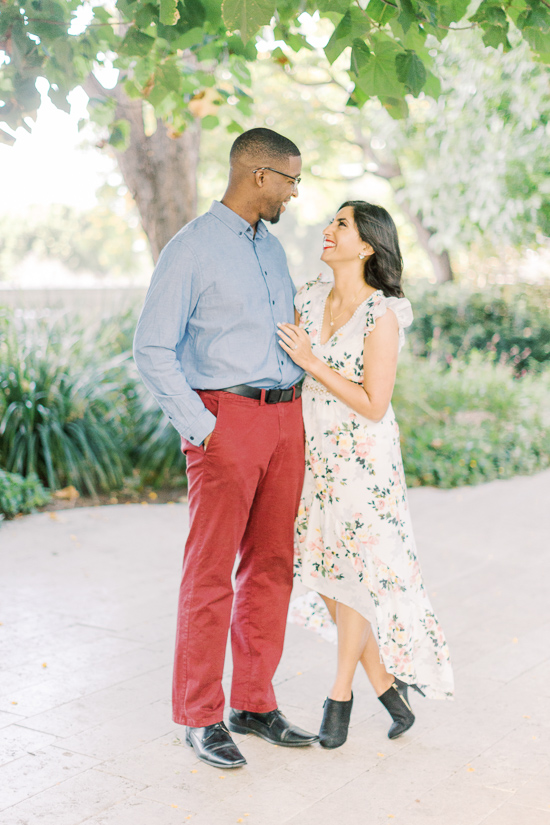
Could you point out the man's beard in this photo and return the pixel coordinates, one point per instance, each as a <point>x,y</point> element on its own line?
<point>276,217</point>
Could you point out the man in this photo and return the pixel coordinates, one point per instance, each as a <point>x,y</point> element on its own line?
<point>206,346</point>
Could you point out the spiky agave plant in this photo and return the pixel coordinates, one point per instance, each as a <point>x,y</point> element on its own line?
<point>62,411</point>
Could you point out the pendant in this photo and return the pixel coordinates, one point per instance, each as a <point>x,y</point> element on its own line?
<point>332,323</point>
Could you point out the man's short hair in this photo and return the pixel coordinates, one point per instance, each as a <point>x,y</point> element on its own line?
<point>262,143</point>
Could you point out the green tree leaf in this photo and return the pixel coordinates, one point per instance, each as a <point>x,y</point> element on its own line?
<point>340,6</point>
<point>379,76</point>
<point>354,24</point>
<point>247,15</point>
<point>382,10</point>
<point>411,72</point>
<point>360,56</point>
<point>210,122</point>
<point>396,107</point>
<point>407,15</point>
<point>120,135</point>
<point>169,14</point>
<point>136,43</point>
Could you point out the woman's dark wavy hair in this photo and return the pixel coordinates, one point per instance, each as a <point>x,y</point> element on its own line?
<point>384,269</point>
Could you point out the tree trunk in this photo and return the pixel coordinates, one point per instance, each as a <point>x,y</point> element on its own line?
<point>440,261</point>
<point>159,171</point>
<point>161,174</point>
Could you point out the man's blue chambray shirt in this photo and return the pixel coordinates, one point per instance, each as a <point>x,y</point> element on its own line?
<point>210,317</point>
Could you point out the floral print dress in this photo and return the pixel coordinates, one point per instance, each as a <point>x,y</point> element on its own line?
<point>354,540</point>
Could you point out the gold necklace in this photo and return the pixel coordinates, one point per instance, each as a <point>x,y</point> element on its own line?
<point>332,319</point>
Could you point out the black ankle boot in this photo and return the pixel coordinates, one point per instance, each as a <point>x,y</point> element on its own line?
<point>396,702</point>
<point>335,724</point>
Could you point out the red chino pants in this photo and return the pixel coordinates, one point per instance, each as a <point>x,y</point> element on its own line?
<point>244,491</point>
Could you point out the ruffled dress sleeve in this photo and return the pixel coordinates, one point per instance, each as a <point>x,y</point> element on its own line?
<point>303,296</point>
<point>402,309</point>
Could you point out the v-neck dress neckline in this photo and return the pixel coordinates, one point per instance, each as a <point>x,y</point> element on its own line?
<point>350,319</point>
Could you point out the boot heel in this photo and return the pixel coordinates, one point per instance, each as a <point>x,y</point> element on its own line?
<point>402,685</point>
<point>396,702</point>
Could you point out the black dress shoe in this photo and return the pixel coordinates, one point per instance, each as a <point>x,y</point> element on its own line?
<point>274,727</point>
<point>396,702</point>
<point>335,724</point>
<point>213,745</point>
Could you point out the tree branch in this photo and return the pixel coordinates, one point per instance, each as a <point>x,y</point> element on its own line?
<point>93,88</point>
<point>385,170</point>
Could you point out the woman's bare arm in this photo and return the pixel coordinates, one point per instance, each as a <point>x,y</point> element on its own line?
<point>380,352</point>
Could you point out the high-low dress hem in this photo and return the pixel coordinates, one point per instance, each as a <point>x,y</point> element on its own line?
<point>354,538</point>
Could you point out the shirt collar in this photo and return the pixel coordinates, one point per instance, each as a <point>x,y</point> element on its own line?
<point>237,224</point>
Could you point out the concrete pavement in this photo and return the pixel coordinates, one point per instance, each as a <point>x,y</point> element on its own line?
<point>87,606</point>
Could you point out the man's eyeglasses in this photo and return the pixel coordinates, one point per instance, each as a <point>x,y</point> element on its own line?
<point>295,181</point>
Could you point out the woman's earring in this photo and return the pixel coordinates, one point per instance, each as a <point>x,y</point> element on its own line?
<point>362,255</point>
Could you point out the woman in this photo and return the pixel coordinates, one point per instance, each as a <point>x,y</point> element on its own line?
<point>355,544</point>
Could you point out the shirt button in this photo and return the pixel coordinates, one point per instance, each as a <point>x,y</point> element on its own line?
<point>191,438</point>
<point>272,302</point>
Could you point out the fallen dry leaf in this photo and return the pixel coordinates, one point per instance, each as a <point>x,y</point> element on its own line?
<point>381,755</point>
<point>44,664</point>
<point>69,493</point>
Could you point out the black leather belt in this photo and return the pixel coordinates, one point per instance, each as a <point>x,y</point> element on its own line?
<point>274,396</point>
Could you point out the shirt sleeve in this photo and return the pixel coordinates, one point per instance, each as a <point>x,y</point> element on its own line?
<point>160,329</point>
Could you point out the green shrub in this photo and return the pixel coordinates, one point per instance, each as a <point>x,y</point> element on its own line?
<point>512,322</point>
<point>62,405</point>
<point>472,422</point>
<point>156,448</point>
<point>20,495</point>
<point>73,409</point>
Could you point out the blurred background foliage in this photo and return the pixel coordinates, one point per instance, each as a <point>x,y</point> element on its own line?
<point>471,405</point>
<point>106,241</point>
